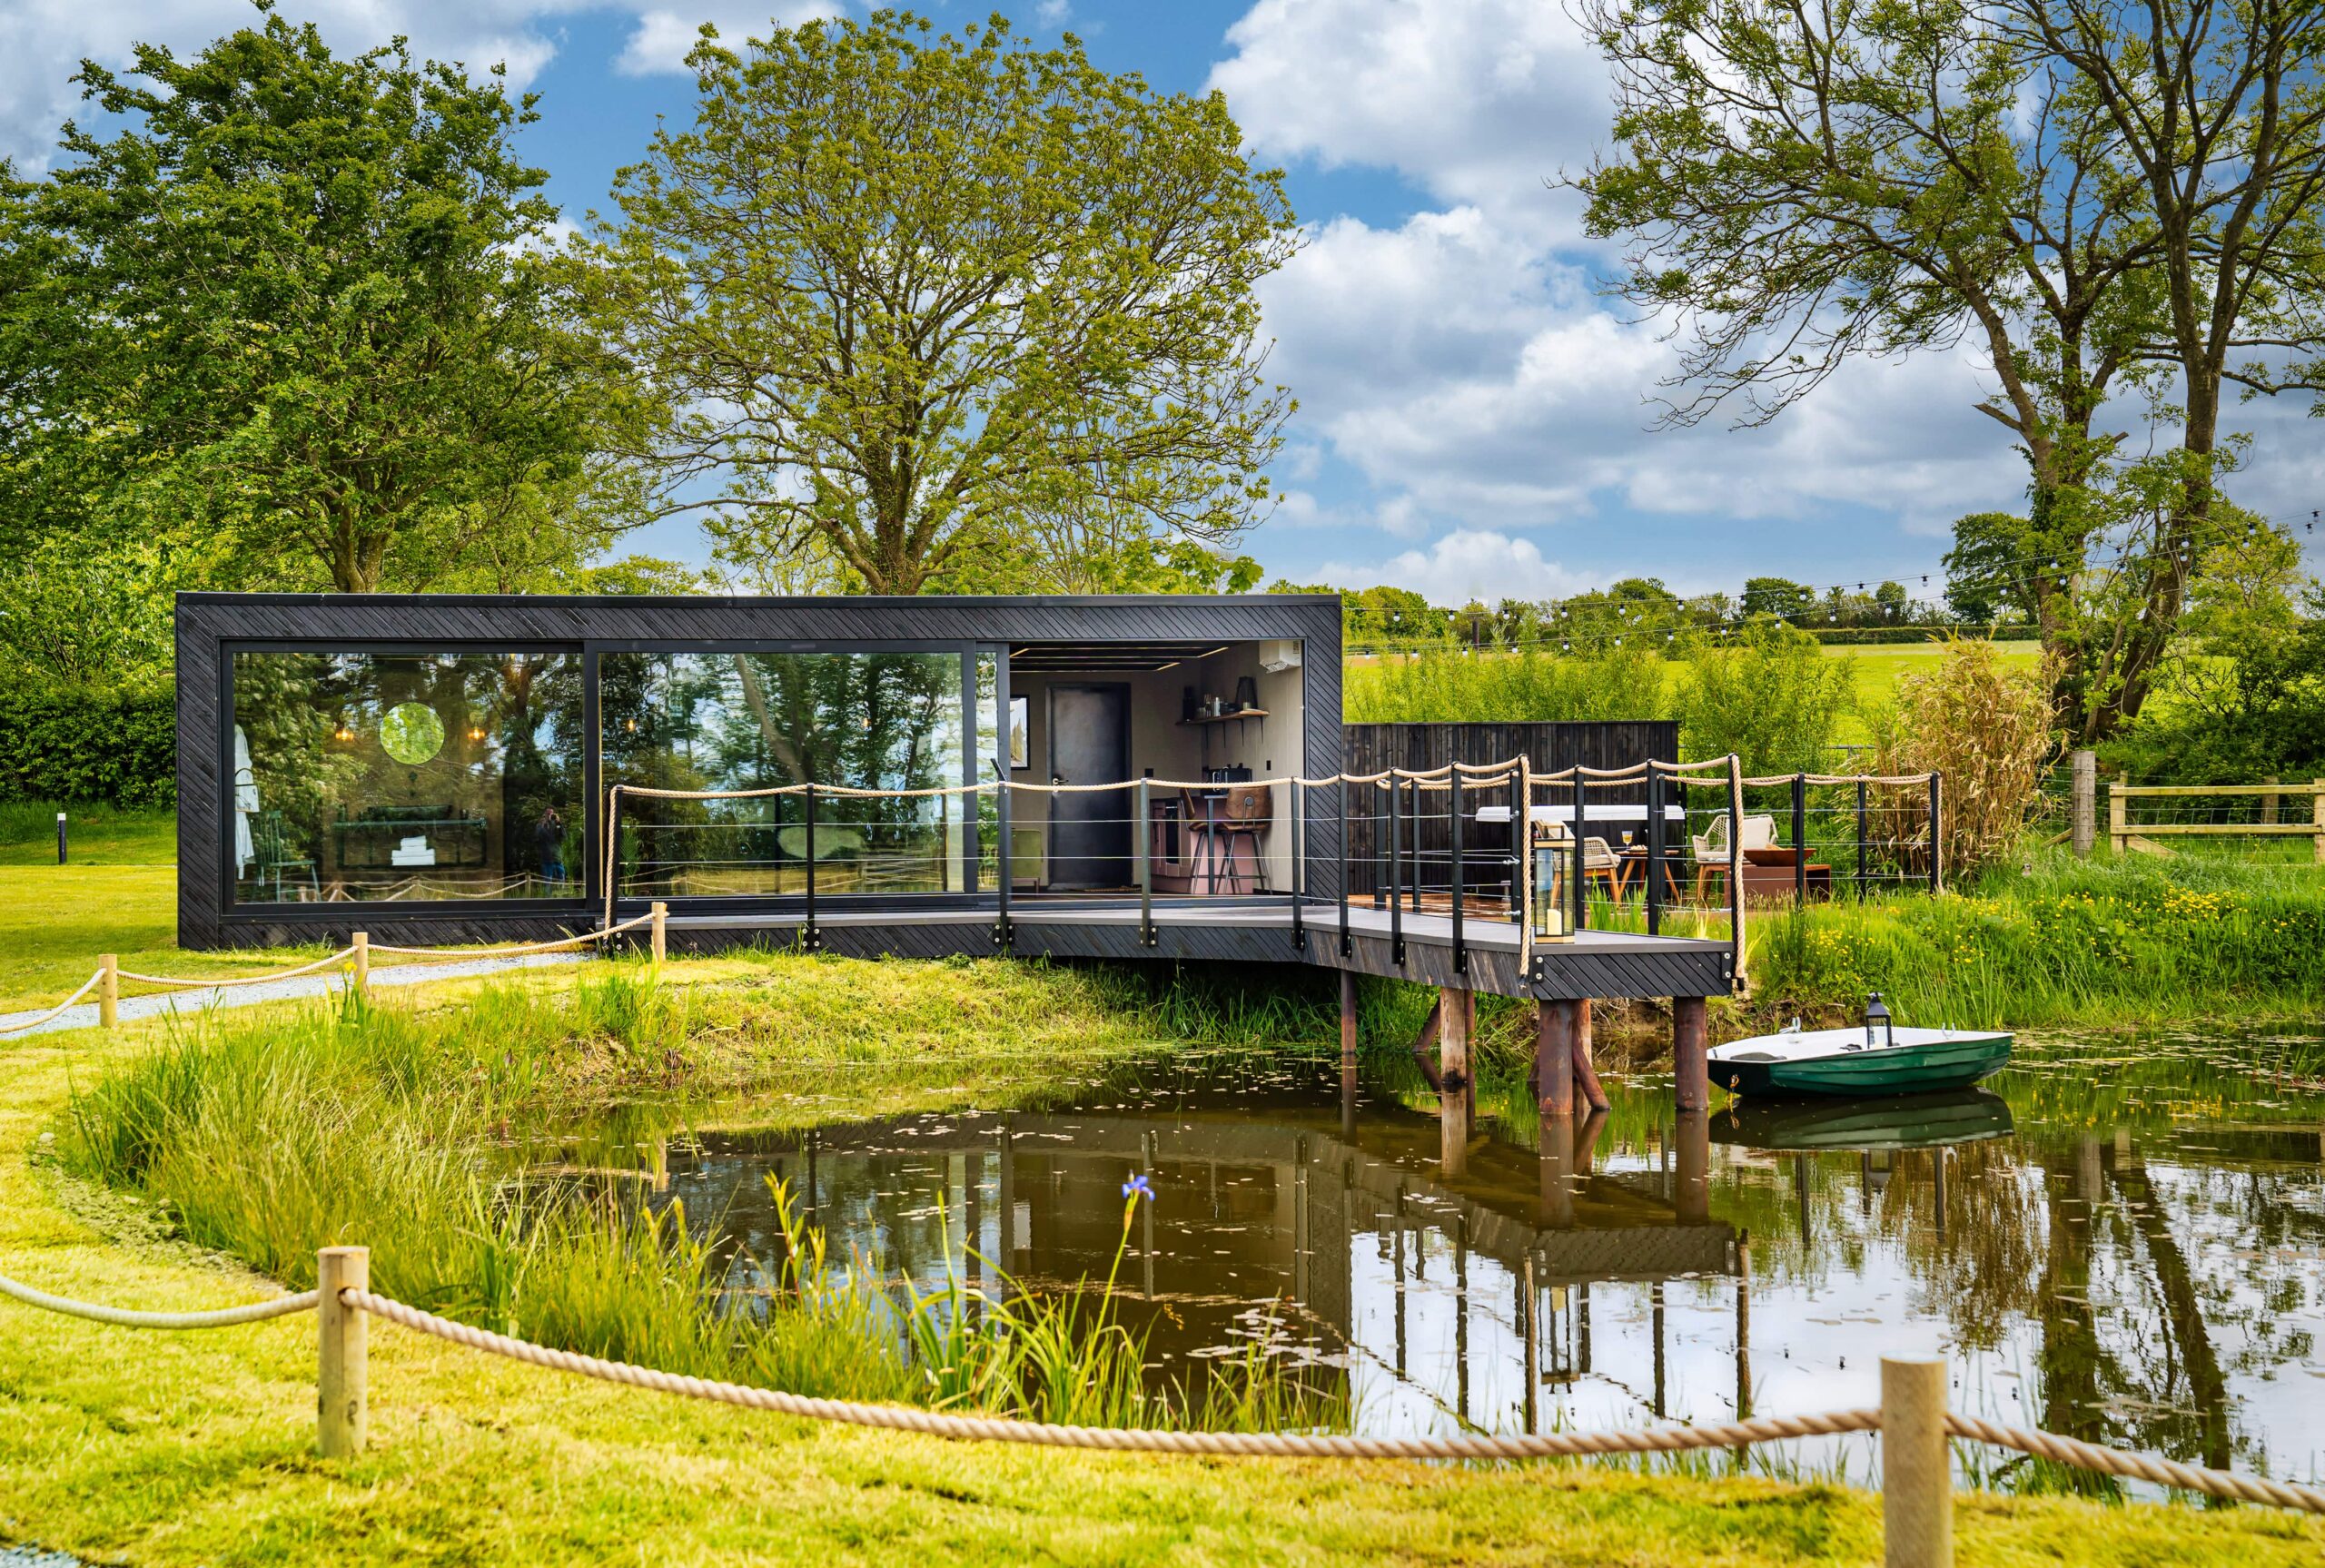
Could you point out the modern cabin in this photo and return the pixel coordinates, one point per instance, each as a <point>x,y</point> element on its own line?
<point>443,768</point>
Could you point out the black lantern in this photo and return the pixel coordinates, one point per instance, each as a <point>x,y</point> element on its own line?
<point>1553,877</point>
<point>1877,1016</point>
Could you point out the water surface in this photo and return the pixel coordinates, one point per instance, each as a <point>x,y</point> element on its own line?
<point>2126,1243</point>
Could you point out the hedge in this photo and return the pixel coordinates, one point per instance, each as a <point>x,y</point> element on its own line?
<point>70,745</point>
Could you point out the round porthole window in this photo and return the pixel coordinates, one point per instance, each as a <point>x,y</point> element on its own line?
<point>412,733</point>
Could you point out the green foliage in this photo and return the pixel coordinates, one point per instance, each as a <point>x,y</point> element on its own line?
<point>118,746</point>
<point>1769,693</point>
<point>2062,941</point>
<point>1780,598</point>
<point>315,335</point>
<point>1989,572</point>
<point>1612,683</point>
<point>2245,700</point>
<point>958,309</point>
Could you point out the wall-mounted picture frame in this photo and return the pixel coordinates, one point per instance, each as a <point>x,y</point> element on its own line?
<point>1019,755</point>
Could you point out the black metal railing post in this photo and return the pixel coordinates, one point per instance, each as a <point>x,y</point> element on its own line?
<point>1860,841</point>
<point>1347,946</point>
<point>810,938</point>
<point>1800,838</point>
<point>1396,879</point>
<point>1144,833</point>
<point>1453,812</point>
<point>1653,851</point>
<point>1299,871</point>
<point>1003,935</point>
<point>1581,890</point>
<point>1381,837</point>
<point>1932,831</point>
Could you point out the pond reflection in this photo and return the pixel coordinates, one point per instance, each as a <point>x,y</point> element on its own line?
<point>2124,1246</point>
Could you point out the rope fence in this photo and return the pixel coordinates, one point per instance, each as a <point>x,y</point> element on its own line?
<point>1915,1428</point>
<point>356,957</point>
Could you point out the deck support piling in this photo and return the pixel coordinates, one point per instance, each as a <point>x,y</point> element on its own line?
<point>1585,1072</point>
<point>1425,1043</point>
<point>1453,1097</point>
<point>1554,1027</point>
<point>1692,1199</point>
<point>1557,1171</point>
<point>1690,1069</point>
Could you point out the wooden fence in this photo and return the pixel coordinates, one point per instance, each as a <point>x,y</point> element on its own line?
<point>2271,820</point>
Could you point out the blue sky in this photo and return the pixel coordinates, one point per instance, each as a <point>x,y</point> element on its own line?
<point>1475,416</point>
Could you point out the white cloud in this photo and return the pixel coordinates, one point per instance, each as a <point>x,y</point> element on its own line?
<point>43,43</point>
<point>1461,361</point>
<point>1473,100</point>
<point>664,35</point>
<point>1467,564</point>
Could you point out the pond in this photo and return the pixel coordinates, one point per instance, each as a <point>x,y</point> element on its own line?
<point>2126,1243</point>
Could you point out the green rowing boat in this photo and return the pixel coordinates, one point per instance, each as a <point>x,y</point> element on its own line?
<point>1878,1058</point>
<point>1892,1123</point>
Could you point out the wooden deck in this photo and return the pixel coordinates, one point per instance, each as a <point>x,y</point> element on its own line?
<point>1417,947</point>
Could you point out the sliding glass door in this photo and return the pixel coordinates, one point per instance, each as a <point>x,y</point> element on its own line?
<point>699,722</point>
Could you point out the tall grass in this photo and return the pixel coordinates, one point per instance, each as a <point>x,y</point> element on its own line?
<point>2055,941</point>
<point>405,1130</point>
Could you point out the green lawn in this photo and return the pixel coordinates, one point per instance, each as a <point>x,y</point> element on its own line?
<point>197,1448</point>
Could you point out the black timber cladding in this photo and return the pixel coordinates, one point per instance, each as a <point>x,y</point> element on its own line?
<point>1549,747</point>
<point>210,625</point>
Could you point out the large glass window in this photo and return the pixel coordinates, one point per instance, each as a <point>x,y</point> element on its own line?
<point>406,777</point>
<point>699,721</point>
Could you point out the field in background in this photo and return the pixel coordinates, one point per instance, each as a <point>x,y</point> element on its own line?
<point>1875,669</point>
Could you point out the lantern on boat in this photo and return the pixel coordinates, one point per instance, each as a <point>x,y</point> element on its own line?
<point>1553,851</point>
<point>1880,1033</point>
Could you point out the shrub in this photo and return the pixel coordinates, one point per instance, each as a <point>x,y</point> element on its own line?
<point>1770,694</point>
<point>1451,687</point>
<point>1987,728</point>
<point>62,743</point>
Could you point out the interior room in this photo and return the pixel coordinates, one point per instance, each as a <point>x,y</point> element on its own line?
<point>1208,720</point>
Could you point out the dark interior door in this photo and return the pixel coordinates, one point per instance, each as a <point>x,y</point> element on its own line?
<point>1089,733</point>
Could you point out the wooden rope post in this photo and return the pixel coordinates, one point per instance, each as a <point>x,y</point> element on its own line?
<point>2269,801</point>
<point>360,967</point>
<point>2082,827</point>
<point>661,949</point>
<point>109,990</point>
<point>341,1377</point>
<point>2119,830</point>
<point>1916,1467</point>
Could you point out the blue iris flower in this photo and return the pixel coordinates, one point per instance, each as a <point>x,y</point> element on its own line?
<point>1138,1186</point>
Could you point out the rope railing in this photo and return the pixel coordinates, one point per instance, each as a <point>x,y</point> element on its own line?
<point>1913,1420</point>
<point>107,980</point>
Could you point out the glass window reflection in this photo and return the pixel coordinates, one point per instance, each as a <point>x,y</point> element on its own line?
<point>705,722</point>
<point>406,777</point>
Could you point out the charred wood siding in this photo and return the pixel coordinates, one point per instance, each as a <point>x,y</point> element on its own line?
<point>1425,747</point>
<point>209,627</point>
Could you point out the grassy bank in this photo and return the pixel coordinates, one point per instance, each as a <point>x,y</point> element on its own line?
<point>2056,941</point>
<point>419,1131</point>
<point>198,1448</point>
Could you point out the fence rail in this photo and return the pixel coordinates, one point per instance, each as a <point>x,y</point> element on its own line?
<point>1915,1425</point>
<point>2268,821</point>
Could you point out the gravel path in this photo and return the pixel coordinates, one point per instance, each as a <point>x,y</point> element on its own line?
<point>322,984</point>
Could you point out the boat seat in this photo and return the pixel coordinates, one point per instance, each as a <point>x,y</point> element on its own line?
<point>1751,1055</point>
